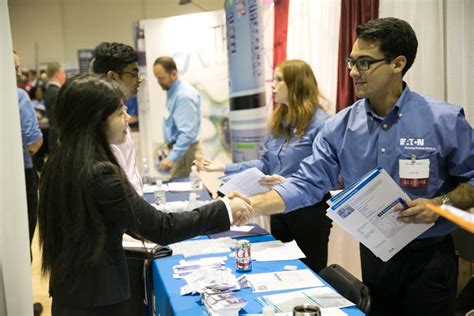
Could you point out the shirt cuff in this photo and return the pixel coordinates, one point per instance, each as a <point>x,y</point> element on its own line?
<point>231,168</point>
<point>229,210</point>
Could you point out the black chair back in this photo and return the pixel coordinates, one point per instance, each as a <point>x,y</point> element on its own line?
<point>348,286</point>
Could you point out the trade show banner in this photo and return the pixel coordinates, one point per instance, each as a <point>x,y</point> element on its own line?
<point>248,114</point>
<point>197,43</point>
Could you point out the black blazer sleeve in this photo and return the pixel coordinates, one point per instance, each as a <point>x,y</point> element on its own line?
<point>124,208</point>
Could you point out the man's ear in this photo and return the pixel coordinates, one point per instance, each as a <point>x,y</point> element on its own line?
<point>174,74</point>
<point>112,75</point>
<point>399,64</point>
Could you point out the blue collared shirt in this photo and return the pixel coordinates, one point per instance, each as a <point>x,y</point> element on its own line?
<point>357,140</point>
<point>30,131</point>
<point>280,157</point>
<point>182,125</point>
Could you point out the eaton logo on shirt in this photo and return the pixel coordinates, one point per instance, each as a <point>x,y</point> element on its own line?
<point>412,142</point>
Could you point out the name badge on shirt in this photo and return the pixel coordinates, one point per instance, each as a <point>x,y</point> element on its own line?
<point>414,173</point>
<point>166,115</point>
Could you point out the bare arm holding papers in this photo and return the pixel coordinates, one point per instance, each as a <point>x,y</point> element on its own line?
<point>461,197</point>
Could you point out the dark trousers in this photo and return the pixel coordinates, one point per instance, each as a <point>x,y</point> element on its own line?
<point>31,180</point>
<point>419,280</point>
<point>40,156</point>
<point>111,310</point>
<point>309,227</point>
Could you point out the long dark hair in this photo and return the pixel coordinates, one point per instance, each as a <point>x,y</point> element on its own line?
<point>71,231</point>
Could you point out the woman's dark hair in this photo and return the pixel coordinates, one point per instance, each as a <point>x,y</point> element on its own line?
<point>71,230</point>
<point>32,92</point>
<point>396,38</point>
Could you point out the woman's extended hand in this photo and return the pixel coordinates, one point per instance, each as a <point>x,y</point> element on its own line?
<point>209,165</point>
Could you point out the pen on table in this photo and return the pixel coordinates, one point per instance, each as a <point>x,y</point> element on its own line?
<point>403,203</point>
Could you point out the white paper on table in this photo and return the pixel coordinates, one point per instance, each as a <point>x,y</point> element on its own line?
<point>198,280</point>
<point>179,206</point>
<point>322,297</point>
<point>244,228</point>
<point>191,248</point>
<point>283,280</point>
<point>180,186</point>
<point>151,188</point>
<point>276,250</point>
<point>365,210</point>
<point>245,182</point>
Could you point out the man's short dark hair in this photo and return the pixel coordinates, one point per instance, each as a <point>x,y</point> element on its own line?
<point>396,37</point>
<point>166,62</point>
<point>113,57</point>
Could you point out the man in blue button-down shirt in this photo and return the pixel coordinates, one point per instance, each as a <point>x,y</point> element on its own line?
<point>32,139</point>
<point>387,127</point>
<point>182,120</point>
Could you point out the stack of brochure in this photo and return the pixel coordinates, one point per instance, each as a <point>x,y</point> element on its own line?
<point>365,210</point>
<point>217,278</point>
<point>222,303</point>
<point>187,267</point>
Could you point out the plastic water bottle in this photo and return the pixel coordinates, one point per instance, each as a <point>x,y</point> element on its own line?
<point>192,203</point>
<point>160,194</point>
<point>145,172</point>
<point>195,180</point>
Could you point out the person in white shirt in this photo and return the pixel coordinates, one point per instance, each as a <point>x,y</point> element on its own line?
<point>119,62</point>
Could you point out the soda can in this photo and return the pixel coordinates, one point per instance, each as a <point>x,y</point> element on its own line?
<point>243,258</point>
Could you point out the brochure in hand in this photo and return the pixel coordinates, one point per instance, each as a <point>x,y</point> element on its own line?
<point>365,209</point>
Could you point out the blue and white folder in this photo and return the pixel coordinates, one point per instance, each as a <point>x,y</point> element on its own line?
<point>365,209</point>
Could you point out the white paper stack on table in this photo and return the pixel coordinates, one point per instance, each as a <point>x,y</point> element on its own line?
<point>186,267</point>
<point>222,303</point>
<point>276,250</point>
<point>180,206</point>
<point>181,187</point>
<point>365,210</point>
<point>198,247</point>
<point>283,280</point>
<point>221,279</point>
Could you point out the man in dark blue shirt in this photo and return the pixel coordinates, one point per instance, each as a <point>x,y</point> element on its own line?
<point>391,126</point>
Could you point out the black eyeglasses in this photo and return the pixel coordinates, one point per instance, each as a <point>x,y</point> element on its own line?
<point>363,63</point>
<point>132,74</point>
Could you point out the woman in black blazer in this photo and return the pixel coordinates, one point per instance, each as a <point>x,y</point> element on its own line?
<point>86,204</point>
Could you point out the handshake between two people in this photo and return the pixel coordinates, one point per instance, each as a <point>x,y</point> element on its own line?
<point>241,208</point>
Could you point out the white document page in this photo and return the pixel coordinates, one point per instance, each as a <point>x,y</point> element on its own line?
<point>180,186</point>
<point>365,210</point>
<point>203,247</point>
<point>244,228</point>
<point>245,182</point>
<point>323,297</point>
<point>151,188</point>
<point>271,251</point>
<point>283,280</point>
